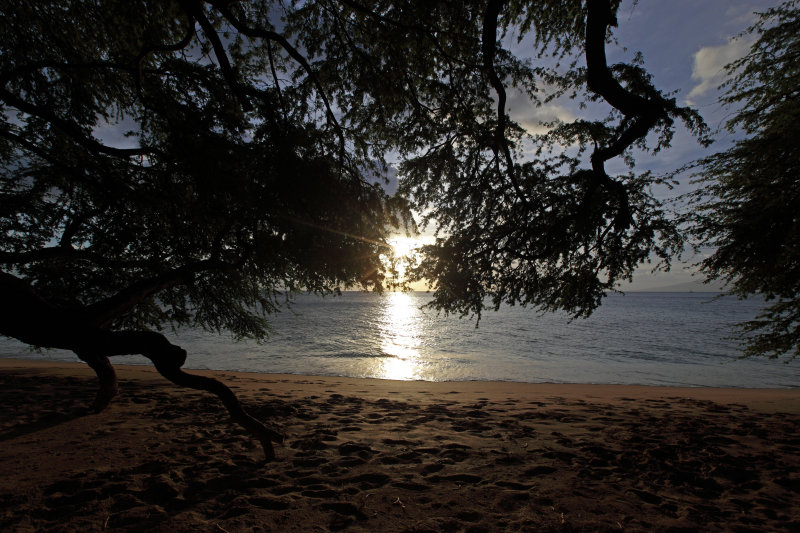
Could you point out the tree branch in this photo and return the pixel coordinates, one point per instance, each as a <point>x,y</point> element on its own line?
<point>220,53</point>
<point>103,312</point>
<point>410,27</point>
<point>27,317</point>
<point>37,150</point>
<point>639,128</point>
<point>275,79</point>
<point>488,49</point>
<point>598,76</point>
<point>70,128</point>
<point>645,113</point>
<point>261,33</point>
<point>37,65</point>
<point>180,45</point>
<point>65,252</point>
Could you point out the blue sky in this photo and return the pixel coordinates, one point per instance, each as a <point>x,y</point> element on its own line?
<point>685,44</point>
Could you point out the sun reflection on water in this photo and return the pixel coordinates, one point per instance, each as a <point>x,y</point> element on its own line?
<point>401,337</point>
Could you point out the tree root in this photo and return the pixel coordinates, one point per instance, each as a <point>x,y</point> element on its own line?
<point>24,314</point>
<point>168,359</point>
<point>107,377</point>
<point>265,435</point>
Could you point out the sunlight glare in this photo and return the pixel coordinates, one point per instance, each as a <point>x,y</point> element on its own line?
<point>407,252</point>
<point>404,250</point>
<point>404,246</point>
<point>400,338</point>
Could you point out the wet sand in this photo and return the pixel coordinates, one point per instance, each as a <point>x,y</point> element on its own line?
<point>375,455</point>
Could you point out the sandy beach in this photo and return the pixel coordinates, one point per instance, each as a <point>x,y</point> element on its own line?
<point>374,455</point>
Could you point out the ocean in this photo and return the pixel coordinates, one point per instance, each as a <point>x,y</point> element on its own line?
<point>676,339</point>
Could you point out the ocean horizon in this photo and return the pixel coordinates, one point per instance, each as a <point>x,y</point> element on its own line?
<point>639,338</point>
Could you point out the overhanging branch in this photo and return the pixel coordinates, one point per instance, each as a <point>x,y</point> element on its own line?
<point>64,252</point>
<point>598,76</point>
<point>71,129</point>
<point>643,113</point>
<point>295,54</point>
<point>103,312</point>
<point>488,49</point>
<point>180,45</point>
<point>196,12</point>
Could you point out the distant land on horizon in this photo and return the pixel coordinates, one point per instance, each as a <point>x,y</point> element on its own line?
<point>688,286</point>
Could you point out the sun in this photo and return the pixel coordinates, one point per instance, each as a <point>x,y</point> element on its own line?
<point>403,250</point>
<point>404,246</point>
<point>406,251</point>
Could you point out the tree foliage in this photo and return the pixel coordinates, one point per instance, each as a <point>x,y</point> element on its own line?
<point>555,230</point>
<point>232,186</point>
<point>749,203</point>
<point>252,135</point>
<point>224,181</point>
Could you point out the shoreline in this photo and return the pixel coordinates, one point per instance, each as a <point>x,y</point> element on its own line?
<point>380,455</point>
<point>762,399</point>
<point>366,336</point>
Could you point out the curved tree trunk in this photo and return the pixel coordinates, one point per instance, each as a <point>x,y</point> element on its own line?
<point>30,319</point>
<point>107,378</point>
<point>265,435</point>
<point>168,359</point>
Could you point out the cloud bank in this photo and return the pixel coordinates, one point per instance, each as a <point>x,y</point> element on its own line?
<point>708,70</point>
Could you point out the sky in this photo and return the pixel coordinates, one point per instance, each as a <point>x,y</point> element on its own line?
<point>685,44</point>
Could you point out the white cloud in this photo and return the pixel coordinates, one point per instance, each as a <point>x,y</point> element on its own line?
<point>530,117</point>
<point>115,134</point>
<point>533,120</point>
<point>386,177</point>
<point>708,69</point>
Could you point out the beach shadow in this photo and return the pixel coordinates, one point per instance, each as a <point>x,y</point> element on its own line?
<point>46,421</point>
<point>34,403</point>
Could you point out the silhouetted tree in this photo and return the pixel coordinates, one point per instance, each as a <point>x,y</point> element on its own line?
<point>232,186</point>
<point>250,131</point>
<point>554,229</point>
<point>750,200</point>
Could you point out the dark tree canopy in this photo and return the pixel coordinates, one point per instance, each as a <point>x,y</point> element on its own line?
<point>749,205</point>
<point>232,186</point>
<point>228,183</point>
<point>253,132</point>
<point>557,231</point>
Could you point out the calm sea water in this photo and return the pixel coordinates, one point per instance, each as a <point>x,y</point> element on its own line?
<point>640,338</point>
